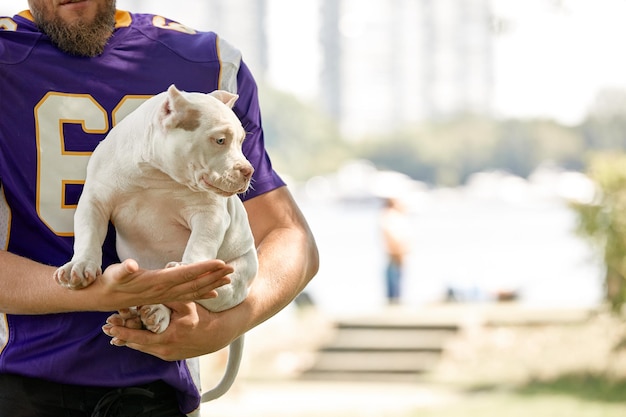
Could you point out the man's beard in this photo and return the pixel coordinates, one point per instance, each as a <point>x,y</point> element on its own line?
<point>79,38</point>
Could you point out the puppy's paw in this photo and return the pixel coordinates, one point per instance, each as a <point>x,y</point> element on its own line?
<point>75,275</point>
<point>155,317</point>
<point>127,317</point>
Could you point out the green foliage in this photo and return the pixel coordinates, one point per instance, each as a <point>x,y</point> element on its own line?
<point>604,221</point>
<point>447,153</point>
<point>605,126</point>
<point>509,403</point>
<point>301,140</point>
<point>589,385</point>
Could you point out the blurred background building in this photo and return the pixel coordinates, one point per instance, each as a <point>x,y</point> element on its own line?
<point>413,60</point>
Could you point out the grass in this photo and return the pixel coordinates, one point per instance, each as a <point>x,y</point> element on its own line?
<point>592,387</point>
<point>513,404</point>
<point>571,395</point>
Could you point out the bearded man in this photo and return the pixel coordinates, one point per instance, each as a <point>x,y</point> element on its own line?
<point>69,71</point>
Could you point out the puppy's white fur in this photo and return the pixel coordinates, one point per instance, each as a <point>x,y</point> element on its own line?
<point>167,177</point>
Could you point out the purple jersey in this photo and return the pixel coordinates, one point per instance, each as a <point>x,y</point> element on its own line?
<point>54,109</point>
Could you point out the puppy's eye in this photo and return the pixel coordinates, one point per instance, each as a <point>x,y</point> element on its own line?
<point>220,141</point>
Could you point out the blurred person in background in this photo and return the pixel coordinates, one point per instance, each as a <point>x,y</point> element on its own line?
<point>396,239</point>
<point>69,70</point>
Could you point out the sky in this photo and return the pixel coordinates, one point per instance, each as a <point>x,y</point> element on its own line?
<point>551,57</point>
<point>554,56</point>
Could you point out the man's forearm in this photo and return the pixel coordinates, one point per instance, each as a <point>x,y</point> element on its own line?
<point>27,287</point>
<point>288,256</point>
<point>287,262</point>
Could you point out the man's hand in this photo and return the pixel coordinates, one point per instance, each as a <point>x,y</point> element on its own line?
<point>193,331</point>
<point>126,285</point>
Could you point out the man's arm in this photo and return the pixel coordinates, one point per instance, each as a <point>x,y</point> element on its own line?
<point>287,251</point>
<point>27,287</point>
<point>288,259</point>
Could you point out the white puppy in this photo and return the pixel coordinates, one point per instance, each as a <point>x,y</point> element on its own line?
<point>167,177</point>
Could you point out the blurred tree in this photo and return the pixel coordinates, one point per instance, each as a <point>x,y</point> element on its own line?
<point>399,152</point>
<point>300,139</point>
<point>604,221</point>
<point>605,126</point>
<point>442,153</point>
<point>524,144</point>
<point>447,153</point>
<point>514,149</point>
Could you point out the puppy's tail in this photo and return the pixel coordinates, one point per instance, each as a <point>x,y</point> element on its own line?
<point>235,352</point>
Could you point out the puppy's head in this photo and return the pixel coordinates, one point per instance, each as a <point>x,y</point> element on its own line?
<point>202,141</point>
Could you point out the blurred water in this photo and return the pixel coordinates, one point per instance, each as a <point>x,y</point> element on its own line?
<point>473,244</point>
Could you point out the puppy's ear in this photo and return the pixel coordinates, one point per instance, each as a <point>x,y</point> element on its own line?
<point>225,97</point>
<point>177,112</point>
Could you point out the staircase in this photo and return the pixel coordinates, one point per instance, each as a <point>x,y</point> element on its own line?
<point>398,345</point>
<point>388,347</point>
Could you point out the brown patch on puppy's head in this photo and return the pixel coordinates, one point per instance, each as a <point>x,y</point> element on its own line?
<point>191,121</point>
<point>178,113</point>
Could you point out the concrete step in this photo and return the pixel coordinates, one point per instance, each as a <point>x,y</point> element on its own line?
<point>394,361</point>
<point>379,348</point>
<point>383,338</point>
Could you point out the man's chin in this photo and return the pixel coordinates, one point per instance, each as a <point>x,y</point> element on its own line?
<point>79,28</point>
<point>82,13</point>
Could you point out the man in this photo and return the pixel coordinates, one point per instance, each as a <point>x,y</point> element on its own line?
<point>69,70</point>
<point>395,230</point>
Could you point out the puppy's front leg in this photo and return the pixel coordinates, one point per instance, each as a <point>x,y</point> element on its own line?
<point>90,228</point>
<point>205,239</point>
<point>245,268</point>
<point>206,236</point>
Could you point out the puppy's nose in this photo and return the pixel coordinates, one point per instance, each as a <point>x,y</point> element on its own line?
<point>246,171</point>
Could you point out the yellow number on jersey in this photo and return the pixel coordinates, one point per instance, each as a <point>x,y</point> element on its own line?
<point>58,166</point>
<point>6,23</point>
<point>160,22</point>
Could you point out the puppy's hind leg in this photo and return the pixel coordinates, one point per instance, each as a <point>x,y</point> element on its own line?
<point>155,317</point>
